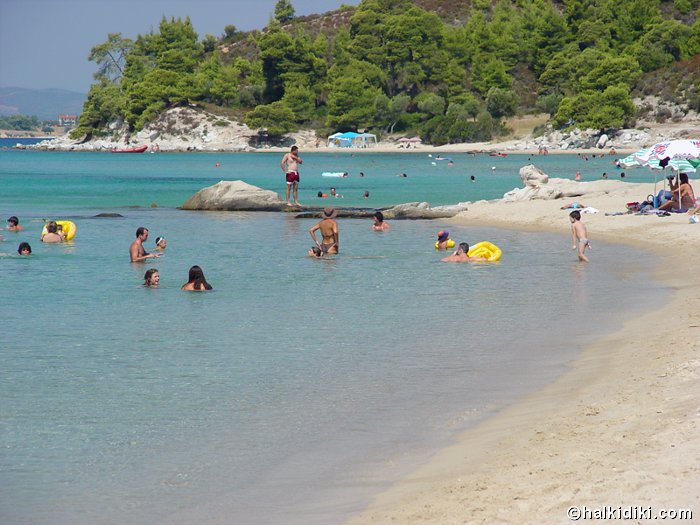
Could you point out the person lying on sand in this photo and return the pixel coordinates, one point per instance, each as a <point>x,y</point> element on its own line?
<point>573,205</point>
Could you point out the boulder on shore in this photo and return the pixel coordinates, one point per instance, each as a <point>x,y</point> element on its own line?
<point>234,195</point>
<point>538,186</point>
<point>532,176</point>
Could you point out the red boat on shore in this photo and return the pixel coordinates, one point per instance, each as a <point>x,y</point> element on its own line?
<point>136,149</point>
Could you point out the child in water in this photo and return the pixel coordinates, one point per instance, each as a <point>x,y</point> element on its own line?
<point>579,235</point>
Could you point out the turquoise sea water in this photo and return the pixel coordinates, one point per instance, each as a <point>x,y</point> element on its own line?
<point>298,387</point>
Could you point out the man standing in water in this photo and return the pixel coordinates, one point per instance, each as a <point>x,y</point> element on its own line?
<point>136,251</point>
<point>329,231</point>
<point>290,168</point>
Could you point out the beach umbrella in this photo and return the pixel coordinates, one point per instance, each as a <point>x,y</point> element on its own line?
<point>415,139</point>
<point>669,151</point>
<point>634,161</point>
<point>679,165</point>
<point>672,149</point>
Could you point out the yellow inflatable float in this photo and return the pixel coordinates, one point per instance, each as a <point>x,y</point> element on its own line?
<point>450,244</point>
<point>490,252</point>
<point>67,227</point>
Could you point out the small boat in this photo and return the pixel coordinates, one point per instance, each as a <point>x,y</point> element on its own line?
<point>334,174</point>
<point>136,149</point>
<point>497,154</point>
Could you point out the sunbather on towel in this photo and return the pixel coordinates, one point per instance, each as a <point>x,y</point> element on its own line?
<point>574,205</point>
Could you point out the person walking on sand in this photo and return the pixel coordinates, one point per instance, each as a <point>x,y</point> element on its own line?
<point>290,167</point>
<point>579,235</point>
<point>329,231</point>
<point>137,252</point>
<point>462,255</point>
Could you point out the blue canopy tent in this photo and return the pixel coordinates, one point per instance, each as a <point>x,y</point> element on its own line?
<point>350,139</point>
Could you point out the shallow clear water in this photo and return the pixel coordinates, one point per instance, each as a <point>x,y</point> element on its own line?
<point>298,387</point>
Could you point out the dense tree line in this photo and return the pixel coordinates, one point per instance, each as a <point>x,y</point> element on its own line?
<point>20,122</point>
<point>396,67</point>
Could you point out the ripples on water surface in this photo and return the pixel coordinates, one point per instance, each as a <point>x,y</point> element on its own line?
<point>292,392</point>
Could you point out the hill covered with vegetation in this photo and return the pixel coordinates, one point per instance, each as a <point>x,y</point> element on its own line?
<point>447,70</point>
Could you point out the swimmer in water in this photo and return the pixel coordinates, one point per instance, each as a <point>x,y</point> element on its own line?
<point>329,231</point>
<point>443,237</point>
<point>196,281</point>
<point>51,236</point>
<point>13,225</point>
<point>379,225</point>
<point>462,255</point>
<point>161,244</point>
<point>151,278</point>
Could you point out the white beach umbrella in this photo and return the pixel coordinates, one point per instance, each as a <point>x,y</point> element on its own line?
<point>672,149</point>
<point>680,155</point>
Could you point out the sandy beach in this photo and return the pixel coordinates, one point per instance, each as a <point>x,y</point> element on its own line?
<point>618,430</point>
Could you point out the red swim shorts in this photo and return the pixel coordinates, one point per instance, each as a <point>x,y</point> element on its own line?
<point>292,177</point>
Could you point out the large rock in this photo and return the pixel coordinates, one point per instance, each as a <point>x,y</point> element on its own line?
<point>234,196</point>
<point>421,210</point>
<point>563,188</point>
<point>532,176</point>
<point>529,194</point>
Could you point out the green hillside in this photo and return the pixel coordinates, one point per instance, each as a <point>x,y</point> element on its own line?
<point>450,71</point>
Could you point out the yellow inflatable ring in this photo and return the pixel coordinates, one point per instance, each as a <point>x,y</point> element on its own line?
<point>450,244</point>
<point>68,227</point>
<point>490,252</point>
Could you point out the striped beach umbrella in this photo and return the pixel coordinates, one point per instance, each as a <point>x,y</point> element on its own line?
<point>681,156</point>
<point>677,165</point>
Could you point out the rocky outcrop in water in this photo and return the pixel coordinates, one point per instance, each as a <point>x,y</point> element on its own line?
<point>234,195</point>
<point>240,196</point>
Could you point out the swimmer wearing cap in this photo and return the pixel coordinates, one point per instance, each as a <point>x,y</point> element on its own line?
<point>443,237</point>
<point>161,244</point>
